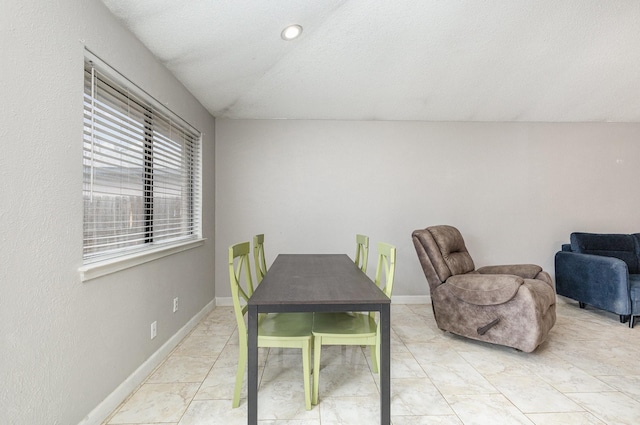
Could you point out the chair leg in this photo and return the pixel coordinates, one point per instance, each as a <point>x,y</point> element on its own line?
<point>317,346</point>
<point>242,363</point>
<point>375,353</point>
<point>624,318</point>
<point>631,320</point>
<point>306,361</point>
<point>581,304</point>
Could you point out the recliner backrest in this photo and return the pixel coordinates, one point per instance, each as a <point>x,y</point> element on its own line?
<point>621,246</point>
<point>444,253</point>
<point>454,256</point>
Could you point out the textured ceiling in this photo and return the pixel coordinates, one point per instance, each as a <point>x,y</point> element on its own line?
<point>433,60</point>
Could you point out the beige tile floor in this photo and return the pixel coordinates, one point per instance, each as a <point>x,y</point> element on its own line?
<point>587,372</point>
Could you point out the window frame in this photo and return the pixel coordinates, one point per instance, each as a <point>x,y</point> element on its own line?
<point>110,261</point>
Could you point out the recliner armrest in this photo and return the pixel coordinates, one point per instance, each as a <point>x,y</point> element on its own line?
<point>484,289</point>
<point>525,271</point>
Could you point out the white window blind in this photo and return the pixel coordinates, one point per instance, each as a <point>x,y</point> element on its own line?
<point>141,169</point>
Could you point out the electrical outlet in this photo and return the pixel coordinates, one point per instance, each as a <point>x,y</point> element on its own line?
<point>175,304</point>
<point>154,329</point>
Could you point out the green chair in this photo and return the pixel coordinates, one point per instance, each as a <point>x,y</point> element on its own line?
<point>354,328</point>
<point>362,252</point>
<point>258,257</point>
<point>281,330</point>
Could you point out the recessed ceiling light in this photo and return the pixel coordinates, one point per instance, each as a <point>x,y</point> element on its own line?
<point>291,32</point>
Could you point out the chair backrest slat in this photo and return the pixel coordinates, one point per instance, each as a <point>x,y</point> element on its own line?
<point>258,257</point>
<point>239,271</point>
<point>386,269</point>
<point>362,252</point>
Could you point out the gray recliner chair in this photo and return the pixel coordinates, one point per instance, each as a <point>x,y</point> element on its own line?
<point>511,305</point>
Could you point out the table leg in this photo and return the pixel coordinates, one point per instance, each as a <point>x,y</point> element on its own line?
<point>252,374</point>
<point>385,364</point>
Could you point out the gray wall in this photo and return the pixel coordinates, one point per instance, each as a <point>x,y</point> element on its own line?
<point>66,345</point>
<point>515,190</point>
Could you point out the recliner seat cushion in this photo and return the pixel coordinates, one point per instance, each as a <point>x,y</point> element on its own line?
<point>525,271</point>
<point>480,289</point>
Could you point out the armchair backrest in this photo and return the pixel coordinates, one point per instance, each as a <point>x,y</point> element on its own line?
<point>621,246</point>
<point>442,253</point>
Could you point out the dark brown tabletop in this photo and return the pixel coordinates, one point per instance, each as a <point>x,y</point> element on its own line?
<point>315,283</point>
<point>298,280</point>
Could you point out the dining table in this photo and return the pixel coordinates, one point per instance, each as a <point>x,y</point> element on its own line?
<point>317,283</point>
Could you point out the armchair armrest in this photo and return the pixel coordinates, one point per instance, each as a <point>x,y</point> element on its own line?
<point>486,289</point>
<point>599,281</point>
<point>525,271</point>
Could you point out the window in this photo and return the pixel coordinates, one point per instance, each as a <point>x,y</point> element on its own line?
<point>141,169</point>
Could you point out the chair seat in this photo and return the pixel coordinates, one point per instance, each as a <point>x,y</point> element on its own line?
<point>347,324</point>
<point>286,325</point>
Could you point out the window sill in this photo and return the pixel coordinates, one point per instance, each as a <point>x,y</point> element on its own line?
<point>103,268</point>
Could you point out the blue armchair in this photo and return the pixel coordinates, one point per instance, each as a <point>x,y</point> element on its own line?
<point>602,271</point>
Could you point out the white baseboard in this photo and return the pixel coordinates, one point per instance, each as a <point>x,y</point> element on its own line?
<point>410,299</point>
<point>396,299</point>
<point>224,301</point>
<point>113,400</point>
